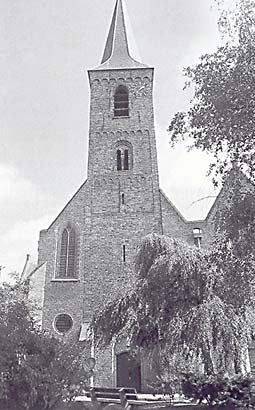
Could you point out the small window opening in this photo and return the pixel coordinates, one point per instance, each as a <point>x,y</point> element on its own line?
<point>122,199</point>
<point>119,165</point>
<point>125,159</point>
<point>122,159</point>
<point>121,102</point>
<point>197,235</point>
<point>197,242</point>
<point>124,253</point>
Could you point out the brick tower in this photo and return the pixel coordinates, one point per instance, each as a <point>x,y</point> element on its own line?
<point>88,251</point>
<point>122,165</point>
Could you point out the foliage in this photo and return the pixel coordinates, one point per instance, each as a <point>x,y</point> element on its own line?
<point>232,392</point>
<point>180,303</point>
<point>36,370</point>
<point>221,118</point>
<point>165,387</point>
<point>236,216</point>
<point>234,244</point>
<point>168,370</point>
<point>141,305</point>
<point>220,121</point>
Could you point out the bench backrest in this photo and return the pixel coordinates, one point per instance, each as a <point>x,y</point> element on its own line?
<point>114,393</point>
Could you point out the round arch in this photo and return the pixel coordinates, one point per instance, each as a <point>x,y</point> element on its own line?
<point>123,156</point>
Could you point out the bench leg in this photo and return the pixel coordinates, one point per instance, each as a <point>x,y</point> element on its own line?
<point>123,400</point>
<point>96,405</point>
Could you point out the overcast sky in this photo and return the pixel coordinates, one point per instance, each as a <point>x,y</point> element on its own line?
<point>46,48</point>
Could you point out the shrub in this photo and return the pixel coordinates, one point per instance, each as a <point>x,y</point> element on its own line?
<point>228,392</point>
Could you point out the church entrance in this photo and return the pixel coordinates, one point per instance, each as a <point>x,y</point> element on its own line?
<point>128,371</point>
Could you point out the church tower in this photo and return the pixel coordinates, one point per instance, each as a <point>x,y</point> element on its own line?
<point>122,165</point>
<point>88,251</point>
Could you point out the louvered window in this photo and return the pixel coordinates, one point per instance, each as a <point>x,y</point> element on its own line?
<point>67,254</point>
<point>121,102</point>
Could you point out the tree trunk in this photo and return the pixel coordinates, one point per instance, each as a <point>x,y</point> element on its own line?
<point>207,360</point>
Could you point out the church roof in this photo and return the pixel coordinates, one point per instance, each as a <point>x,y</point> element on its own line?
<point>31,269</point>
<point>116,53</point>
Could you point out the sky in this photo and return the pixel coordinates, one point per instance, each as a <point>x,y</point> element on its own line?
<point>47,46</point>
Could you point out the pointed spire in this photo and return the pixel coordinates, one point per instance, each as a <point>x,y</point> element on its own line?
<point>110,39</point>
<point>116,52</point>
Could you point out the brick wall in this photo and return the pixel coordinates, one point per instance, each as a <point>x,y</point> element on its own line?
<point>175,225</point>
<point>62,296</point>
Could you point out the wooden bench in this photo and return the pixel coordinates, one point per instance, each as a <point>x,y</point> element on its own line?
<point>102,396</point>
<point>118,398</point>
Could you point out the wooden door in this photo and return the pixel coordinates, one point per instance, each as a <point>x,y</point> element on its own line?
<point>128,371</point>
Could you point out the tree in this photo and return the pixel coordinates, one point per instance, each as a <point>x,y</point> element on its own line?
<point>37,370</point>
<point>234,244</point>
<point>180,303</point>
<point>221,117</point>
<point>221,121</point>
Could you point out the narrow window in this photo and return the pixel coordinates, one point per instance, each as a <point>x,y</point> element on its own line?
<point>71,254</point>
<point>67,254</point>
<point>63,254</point>
<point>126,159</point>
<point>123,156</point>
<point>197,235</point>
<point>124,253</point>
<point>119,160</point>
<point>122,199</point>
<point>197,242</point>
<point>121,103</point>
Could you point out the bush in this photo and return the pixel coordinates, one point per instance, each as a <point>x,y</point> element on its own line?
<point>228,392</point>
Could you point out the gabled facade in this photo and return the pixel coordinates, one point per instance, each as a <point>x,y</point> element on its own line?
<point>88,252</point>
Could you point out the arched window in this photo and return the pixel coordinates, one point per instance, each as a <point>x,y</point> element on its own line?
<point>67,254</point>
<point>123,156</point>
<point>122,159</point>
<point>121,103</point>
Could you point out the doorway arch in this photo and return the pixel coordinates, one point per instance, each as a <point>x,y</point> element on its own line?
<point>128,369</point>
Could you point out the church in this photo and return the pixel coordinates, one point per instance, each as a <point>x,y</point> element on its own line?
<point>87,254</point>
